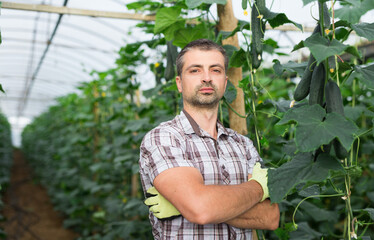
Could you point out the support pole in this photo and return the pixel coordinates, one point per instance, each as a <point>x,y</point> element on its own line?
<point>228,22</point>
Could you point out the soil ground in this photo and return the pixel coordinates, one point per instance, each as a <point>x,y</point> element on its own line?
<point>28,209</point>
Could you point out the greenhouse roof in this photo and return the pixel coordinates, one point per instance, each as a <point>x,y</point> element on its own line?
<point>50,46</point>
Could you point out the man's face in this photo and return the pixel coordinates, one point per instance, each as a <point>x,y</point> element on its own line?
<point>203,79</point>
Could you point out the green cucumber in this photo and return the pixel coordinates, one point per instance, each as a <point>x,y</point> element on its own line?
<point>317,85</point>
<point>261,5</point>
<point>326,14</point>
<point>302,89</point>
<point>334,100</point>
<point>258,30</point>
<point>170,60</point>
<point>334,103</point>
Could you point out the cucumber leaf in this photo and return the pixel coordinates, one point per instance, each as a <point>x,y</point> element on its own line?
<point>365,74</point>
<point>290,66</point>
<point>305,232</point>
<point>306,2</point>
<point>369,211</point>
<point>186,35</point>
<point>353,12</point>
<point>278,19</point>
<point>365,30</point>
<point>238,58</point>
<point>321,48</point>
<point>318,214</point>
<point>303,169</point>
<point>230,93</point>
<point>315,127</point>
<point>195,3</point>
<point>166,17</point>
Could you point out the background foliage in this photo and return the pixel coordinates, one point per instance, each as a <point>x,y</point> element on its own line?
<point>85,149</point>
<point>6,154</point>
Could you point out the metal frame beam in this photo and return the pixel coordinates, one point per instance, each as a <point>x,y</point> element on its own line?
<point>108,14</point>
<point>76,11</point>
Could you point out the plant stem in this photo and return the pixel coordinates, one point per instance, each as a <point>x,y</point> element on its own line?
<point>313,196</point>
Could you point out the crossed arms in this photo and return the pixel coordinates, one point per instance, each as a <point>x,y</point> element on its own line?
<point>237,205</point>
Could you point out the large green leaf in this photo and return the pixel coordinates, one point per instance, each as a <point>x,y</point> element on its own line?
<point>365,30</point>
<point>290,66</point>
<point>238,58</point>
<point>304,232</point>
<point>278,19</point>
<point>230,93</point>
<point>321,48</point>
<point>300,169</point>
<point>230,50</point>
<point>169,32</point>
<point>369,211</point>
<point>241,25</point>
<point>315,127</point>
<point>188,34</point>
<point>166,17</point>
<point>306,2</point>
<point>318,214</point>
<point>365,74</point>
<point>196,3</point>
<point>352,13</point>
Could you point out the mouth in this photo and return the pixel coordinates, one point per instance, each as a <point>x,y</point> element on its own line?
<point>206,90</point>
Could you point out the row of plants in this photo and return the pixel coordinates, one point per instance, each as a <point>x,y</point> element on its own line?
<point>85,149</point>
<point>6,154</point>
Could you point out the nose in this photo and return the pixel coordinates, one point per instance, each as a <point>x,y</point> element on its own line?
<point>206,77</point>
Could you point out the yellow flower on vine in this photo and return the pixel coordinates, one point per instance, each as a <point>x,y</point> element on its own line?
<point>157,64</point>
<point>245,12</point>
<point>327,31</point>
<point>103,94</point>
<point>260,16</point>
<point>332,70</point>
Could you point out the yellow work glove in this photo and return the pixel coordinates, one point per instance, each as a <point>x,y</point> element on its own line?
<point>160,206</point>
<point>260,175</point>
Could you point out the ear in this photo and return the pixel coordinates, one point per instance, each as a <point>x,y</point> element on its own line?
<point>227,78</point>
<point>178,80</point>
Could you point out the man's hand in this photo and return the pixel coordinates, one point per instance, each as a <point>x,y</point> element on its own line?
<point>260,175</point>
<point>160,206</point>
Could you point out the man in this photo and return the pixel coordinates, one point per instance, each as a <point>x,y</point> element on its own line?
<point>198,170</point>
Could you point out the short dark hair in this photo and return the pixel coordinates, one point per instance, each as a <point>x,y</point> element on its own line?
<point>201,44</point>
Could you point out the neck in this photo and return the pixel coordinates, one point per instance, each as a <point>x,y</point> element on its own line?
<point>206,118</point>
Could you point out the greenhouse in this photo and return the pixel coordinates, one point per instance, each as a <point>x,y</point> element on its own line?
<point>272,139</point>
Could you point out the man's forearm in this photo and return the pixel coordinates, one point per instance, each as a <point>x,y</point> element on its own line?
<point>203,204</point>
<point>261,216</point>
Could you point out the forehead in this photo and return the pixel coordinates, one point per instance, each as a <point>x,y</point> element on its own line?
<point>203,57</point>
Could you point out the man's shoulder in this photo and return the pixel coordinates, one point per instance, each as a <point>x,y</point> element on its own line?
<point>237,136</point>
<point>171,127</point>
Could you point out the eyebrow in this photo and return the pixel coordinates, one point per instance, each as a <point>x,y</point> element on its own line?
<point>200,66</point>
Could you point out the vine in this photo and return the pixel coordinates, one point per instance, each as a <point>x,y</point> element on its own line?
<point>75,144</point>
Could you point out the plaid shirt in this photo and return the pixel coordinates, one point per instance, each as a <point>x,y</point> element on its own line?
<point>182,143</point>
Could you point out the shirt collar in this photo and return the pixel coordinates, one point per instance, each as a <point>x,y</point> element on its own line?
<point>193,127</point>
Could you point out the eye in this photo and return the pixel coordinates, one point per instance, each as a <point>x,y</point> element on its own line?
<point>194,70</point>
<point>217,70</point>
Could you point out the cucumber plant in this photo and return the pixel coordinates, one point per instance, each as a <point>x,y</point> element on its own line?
<point>6,155</point>
<point>85,149</point>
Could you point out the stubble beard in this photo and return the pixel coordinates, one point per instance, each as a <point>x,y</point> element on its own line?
<point>204,100</point>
